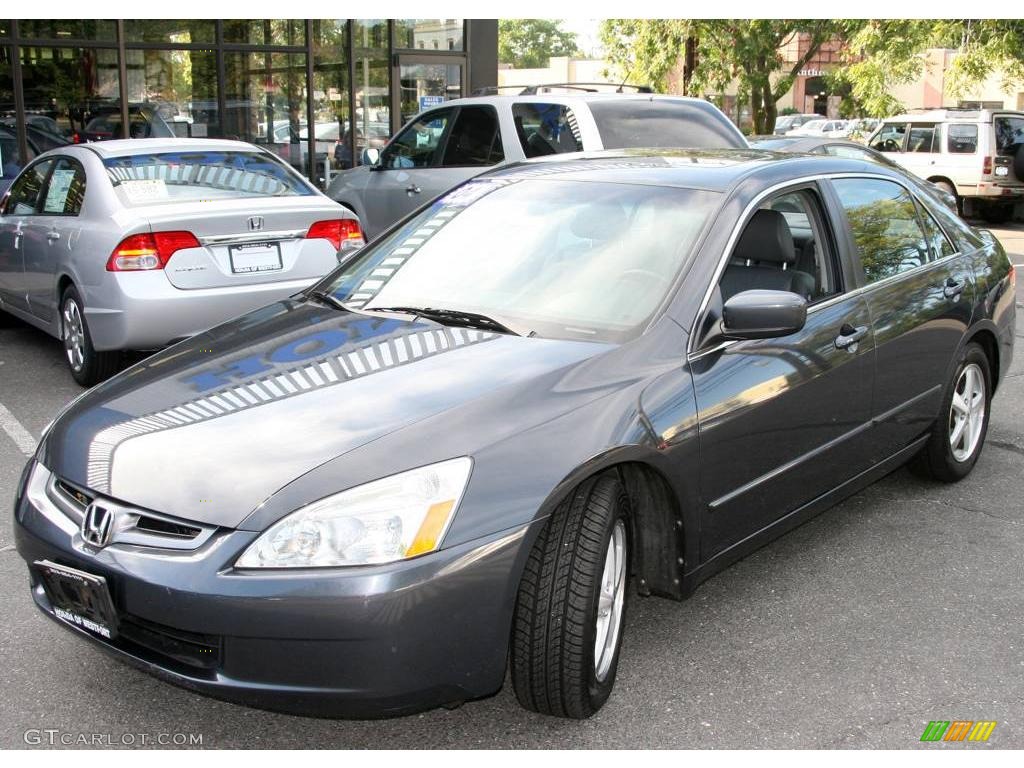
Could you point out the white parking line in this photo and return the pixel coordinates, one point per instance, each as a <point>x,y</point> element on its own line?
<point>21,436</point>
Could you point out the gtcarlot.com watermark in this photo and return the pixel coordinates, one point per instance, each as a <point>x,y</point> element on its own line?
<point>54,737</point>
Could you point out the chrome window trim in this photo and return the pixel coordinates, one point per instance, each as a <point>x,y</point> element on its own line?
<point>255,237</point>
<point>692,354</point>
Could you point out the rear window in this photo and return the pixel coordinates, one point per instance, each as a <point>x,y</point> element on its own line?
<point>175,177</point>
<point>962,139</point>
<point>546,129</point>
<point>662,123</point>
<point>1009,133</point>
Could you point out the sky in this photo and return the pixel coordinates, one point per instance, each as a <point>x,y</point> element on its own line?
<point>586,31</point>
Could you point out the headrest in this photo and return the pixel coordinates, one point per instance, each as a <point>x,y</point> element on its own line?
<point>766,238</point>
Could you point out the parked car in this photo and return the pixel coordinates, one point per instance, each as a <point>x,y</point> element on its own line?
<point>973,154</point>
<point>841,148</point>
<point>833,129</point>
<point>144,122</point>
<point>136,244</point>
<point>469,447</point>
<point>786,123</point>
<point>11,161</point>
<point>861,129</point>
<point>39,131</point>
<point>443,147</point>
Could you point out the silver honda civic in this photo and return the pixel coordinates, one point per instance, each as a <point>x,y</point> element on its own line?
<point>136,244</point>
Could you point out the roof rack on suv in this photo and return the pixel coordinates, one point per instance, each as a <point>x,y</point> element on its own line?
<point>533,90</point>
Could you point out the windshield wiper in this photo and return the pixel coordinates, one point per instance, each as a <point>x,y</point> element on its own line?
<point>327,298</point>
<point>457,317</point>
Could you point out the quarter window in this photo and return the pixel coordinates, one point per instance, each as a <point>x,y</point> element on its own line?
<point>65,190</point>
<point>885,226</point>
<point>475,139</point>
<point>24,200</point>
<point>962,139</point>
<point>416,146</point>
<point>890,138</point>
<point>939,243</point>
<point>546,129</point>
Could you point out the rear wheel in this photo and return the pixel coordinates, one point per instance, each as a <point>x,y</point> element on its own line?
<point>87,366</point>
<point>959,433</point>
<point>567,628</point>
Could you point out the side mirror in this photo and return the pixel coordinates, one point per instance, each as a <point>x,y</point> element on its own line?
<point>371,157</point>
<point>762,314</point>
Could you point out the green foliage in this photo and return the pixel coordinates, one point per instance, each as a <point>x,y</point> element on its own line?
<point>529,43</point>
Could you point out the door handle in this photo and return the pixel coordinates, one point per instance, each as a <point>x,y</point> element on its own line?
<point>953,288</point>
<point>53,235</point>
<point>849,336</point>
<point>412,189</point>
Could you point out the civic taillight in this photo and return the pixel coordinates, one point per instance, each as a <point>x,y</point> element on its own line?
<point>148,250</point>
<point>341,233</point>
<point>986,166</point>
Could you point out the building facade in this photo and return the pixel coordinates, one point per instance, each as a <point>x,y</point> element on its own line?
<point>259,80</point>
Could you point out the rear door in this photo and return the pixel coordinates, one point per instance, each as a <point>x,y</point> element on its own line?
<point>919,292</point>
<point>921,150</point>
<point>1009,148</point>
<point>18,235</point>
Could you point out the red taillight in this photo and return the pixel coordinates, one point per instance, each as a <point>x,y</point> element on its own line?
<point>341,233</point>
<point>986,166</point>
<point>148,250</point>
<point>75,138</point>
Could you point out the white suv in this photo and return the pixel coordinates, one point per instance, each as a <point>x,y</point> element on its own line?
<point>973,154</point>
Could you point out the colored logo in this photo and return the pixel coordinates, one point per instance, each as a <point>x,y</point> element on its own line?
<point>958,730</point>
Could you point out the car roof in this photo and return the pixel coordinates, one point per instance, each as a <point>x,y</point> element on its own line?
<point>716,170</point>
<point>122,147</point>
<point>942,115</point>
<point>548,98</point>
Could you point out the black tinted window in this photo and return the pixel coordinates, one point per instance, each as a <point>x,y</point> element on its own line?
<point>25,191</point>
<point>65,190</point>
<point>475,139</point>
<point>885,226</point>
<point>546,129</point>
<point>962,139</point>
<point>1009,132</point>
<point>662,123</point>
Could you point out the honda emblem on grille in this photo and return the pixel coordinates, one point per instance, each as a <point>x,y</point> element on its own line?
<point>255,223</point>
<point>97,525</point>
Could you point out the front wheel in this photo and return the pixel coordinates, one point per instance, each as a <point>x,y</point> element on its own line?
<point>959,433</point>
<point>569,614</point>
<point>87,366</point>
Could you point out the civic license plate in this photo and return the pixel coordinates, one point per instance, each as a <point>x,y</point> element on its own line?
<point>79,598</point>
<point>1002,170</point>
<point>255,257</point>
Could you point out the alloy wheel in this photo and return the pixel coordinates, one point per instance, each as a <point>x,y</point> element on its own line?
<point>610,602</point>
<point>967,412</point>
<point>73,335</point>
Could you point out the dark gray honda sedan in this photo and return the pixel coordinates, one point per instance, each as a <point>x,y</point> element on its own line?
<point>557,387</point>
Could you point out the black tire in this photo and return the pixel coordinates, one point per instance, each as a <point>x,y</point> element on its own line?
<point>554,629</point>
<point>997,213</point>
<point>94,366</point>
<point>937,459</point>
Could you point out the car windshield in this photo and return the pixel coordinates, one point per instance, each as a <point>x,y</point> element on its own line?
<point>176,177</point>
<point>545,257</point>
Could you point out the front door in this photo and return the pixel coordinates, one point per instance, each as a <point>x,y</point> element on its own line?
<point>17,235</point>
<point>782,420</point>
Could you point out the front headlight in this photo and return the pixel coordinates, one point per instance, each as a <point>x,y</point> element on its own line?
<point>394,518</point>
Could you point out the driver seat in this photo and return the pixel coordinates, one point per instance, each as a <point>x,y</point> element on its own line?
<point>763,257</point>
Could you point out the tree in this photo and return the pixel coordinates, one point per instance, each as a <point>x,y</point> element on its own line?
<point>885,53</point>
<point>744,51</point>
<point>529,43</point>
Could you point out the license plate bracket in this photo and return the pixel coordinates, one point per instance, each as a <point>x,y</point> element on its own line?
<point>79,598</point>
<point>250,258</point>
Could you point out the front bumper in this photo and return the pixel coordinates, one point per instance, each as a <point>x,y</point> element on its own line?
<point>373,641</point>
<point>142,310</point>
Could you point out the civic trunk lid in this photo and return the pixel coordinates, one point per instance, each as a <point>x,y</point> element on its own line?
<point>243,242</point>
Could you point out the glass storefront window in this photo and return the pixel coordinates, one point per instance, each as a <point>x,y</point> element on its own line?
<point>265,103</point>
<point>170,31</point>
<point>265,31</point>
<point>426,85</point>
<point>73,93</point>
<point>11,161</point>
<point>429,34</point>
<point>177,89</point>
<point>5,28</point>
<point>101,30</point>
<point>331,98</point>
<point>372,84</point>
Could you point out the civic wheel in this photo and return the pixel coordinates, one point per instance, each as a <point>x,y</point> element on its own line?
<point>959,433</point>
<point>87,366</point>
<point>570,610</point>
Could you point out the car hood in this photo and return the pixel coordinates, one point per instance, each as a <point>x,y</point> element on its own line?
<point>209,429</point>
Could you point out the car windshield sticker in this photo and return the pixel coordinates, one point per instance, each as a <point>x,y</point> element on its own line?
<point>144,190</point>
<point>57,194</point>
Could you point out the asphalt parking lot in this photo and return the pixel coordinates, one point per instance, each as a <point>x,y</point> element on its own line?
<point>900,606</point>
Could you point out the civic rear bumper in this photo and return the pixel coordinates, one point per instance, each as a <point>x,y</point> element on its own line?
<point>365,642</point>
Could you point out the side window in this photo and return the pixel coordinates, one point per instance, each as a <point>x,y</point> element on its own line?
<point>962,139</point>
<point>416,146</point>
<point>937,240</point>
<point>474,140</point>
<point>783,248</point>
<point>890,138</point>
<point>921,138</point>
<point>885,226</point>
<point>546,129</point>
<point>66,189</point>
<point>24,199</point>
